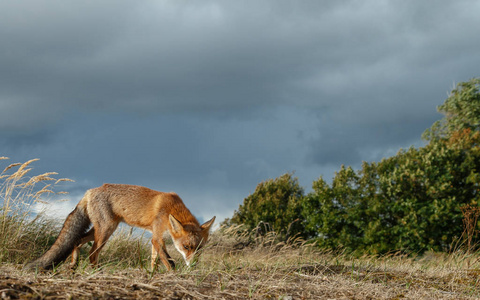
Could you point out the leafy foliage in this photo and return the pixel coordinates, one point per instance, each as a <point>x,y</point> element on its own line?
<point>411,201</point>
<point>276,202</point>
<point>461,110</point>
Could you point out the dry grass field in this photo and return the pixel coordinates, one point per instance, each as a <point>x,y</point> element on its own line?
<point>228,270</point>
<point>232,266</point>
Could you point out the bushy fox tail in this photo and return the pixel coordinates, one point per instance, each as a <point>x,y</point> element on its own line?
<point>74,228</point>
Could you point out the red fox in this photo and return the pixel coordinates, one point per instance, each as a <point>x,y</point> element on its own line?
<point>106,206</point>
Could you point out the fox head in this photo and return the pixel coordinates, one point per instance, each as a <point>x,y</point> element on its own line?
<point>189,238</point>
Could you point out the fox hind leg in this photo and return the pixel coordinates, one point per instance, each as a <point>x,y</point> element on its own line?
<point>101,235</point>
<point>89,236</point>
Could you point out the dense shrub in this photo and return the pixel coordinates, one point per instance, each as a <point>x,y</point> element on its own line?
<point>276,205</point>
<point>412,201</point>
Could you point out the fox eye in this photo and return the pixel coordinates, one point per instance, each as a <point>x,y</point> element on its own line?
<point>186,247</point>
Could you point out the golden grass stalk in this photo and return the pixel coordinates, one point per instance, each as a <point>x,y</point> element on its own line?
<point>64,180</point>
<point>10,167</point>
<point>18,194</point>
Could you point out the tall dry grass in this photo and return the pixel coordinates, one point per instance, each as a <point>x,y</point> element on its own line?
<point>24,234</point>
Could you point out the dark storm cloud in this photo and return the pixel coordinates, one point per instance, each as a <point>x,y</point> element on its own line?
<point>175,56</point>
<point>211,97</point>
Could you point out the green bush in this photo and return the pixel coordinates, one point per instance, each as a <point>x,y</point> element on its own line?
<point>411,201</point>
<point>276,204</point>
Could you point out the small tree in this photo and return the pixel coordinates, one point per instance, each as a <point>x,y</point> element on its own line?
<point>337,213</point>
<point>276,202</point>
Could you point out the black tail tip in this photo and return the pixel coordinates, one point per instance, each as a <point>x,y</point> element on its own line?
<point>31,266</point>
<point>35,266</point>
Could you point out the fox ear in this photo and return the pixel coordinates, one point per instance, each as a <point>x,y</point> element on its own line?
<point>206,226</point>
<point>177,227</point>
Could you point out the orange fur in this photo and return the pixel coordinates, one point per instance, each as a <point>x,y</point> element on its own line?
<point>106,206</point>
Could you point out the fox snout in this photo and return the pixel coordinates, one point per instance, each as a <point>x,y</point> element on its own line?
<point>189,255</point>
<point>189,258</point>
<point>192,261</point>
<point>189,238</point>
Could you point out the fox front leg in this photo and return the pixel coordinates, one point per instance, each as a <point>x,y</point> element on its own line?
<point>159,250</point>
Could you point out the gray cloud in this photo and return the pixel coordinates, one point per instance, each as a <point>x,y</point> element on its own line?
<point>219,55</point>
<point>212,97</point>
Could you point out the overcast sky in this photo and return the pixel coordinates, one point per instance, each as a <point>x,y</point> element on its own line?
<point>209,98</point>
